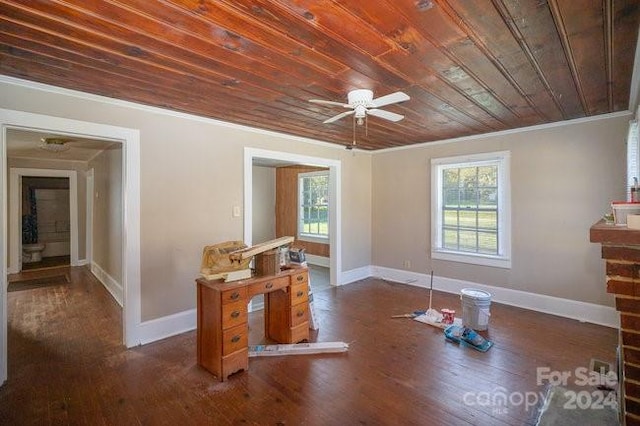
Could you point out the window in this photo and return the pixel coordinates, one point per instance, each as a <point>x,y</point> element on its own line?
<point>633,155</point>
<point>313,196</point>
<point>470,215</point>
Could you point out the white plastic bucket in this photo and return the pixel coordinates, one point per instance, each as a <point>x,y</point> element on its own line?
<point>475,308</point>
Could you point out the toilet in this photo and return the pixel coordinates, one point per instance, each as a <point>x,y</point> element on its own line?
<point>32,252</point>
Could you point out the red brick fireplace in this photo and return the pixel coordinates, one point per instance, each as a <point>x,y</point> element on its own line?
<point>621,251</point>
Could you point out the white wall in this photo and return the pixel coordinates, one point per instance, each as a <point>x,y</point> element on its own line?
<point>52,207</point>
<point>107,213</point>
<point>264,204</point>
<point>562,181</point>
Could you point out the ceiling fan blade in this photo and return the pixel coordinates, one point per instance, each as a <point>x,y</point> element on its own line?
<point>338,117</point>
<point>323,102</point>
<point>391,116</point>
<point>391,98</point>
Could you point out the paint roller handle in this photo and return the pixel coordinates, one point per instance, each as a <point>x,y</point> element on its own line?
<point>411,315</point>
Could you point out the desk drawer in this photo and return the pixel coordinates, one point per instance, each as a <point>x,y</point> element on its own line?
<point>234,339</point>
<point>234,314</point>
<point>300,277</point>
<point>234,295</point>
<point>299,314</point>
<point>300,333</point>
<point>267,286</point>
<point>299,293</point>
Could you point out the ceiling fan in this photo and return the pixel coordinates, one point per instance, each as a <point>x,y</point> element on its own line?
<point>361,103</point>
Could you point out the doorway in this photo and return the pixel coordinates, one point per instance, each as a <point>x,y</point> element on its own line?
<point>130,140</point>
<point>16,213</point>
<point>45,222</point>
<point>258,156</point>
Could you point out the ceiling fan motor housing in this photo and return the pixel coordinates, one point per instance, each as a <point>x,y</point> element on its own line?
<point>360,97</point>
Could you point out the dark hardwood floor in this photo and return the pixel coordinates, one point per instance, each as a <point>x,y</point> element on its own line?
<point>67,364</point>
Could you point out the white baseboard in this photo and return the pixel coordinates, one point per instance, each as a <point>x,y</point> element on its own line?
<point>171,325</point>
<point>347,277</point>
<point>318,260</point>
<point>581,311</point>
<point>112,286</point>
<point>82,262</point>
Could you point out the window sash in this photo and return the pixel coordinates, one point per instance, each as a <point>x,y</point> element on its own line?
<point>464,201</point>
<point>313,209</point>
<point>471,223</point>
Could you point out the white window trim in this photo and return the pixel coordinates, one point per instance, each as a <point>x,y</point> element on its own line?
<point>308,237</point>
<point>503,260</point>
<point>633,155</point>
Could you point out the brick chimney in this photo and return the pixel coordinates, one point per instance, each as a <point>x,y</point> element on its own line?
<point>621,251</point>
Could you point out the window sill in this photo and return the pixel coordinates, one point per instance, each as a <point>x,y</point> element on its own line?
<point>474,259</point>
<point>310,239</point>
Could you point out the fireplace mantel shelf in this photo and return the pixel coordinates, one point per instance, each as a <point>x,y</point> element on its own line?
<point>612,234</point>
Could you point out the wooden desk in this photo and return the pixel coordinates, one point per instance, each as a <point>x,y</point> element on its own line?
<point>222,317</point>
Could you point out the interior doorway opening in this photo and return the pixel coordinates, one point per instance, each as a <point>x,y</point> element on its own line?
<point>45,222</point>
<point>129,140</point>
<point>59,242</point>
<point>255,213</point>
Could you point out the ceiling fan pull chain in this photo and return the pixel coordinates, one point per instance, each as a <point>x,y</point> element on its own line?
<point>354,131</point>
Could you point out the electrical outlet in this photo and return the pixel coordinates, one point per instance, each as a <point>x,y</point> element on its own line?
<point>407,264</point>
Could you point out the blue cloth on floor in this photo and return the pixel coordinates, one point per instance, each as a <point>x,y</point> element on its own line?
<point>467,336</point>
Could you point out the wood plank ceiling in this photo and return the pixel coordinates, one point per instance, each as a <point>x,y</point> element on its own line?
<point>470,66</point>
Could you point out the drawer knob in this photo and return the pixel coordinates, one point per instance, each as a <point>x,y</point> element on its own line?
<point>235,339</point>
<point>299,314</point>
<point>268,285</point>
<point>235,314</point>
<point>300,278</point>
<point>234,296</point>
<point>300,293</point>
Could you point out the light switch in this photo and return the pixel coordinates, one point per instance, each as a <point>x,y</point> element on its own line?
<point>236,211</point>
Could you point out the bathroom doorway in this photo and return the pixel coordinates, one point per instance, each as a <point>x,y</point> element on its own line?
<point>17,211</point>
<point>45,222</point>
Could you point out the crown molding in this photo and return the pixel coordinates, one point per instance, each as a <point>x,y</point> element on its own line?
<point>509,131</point>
